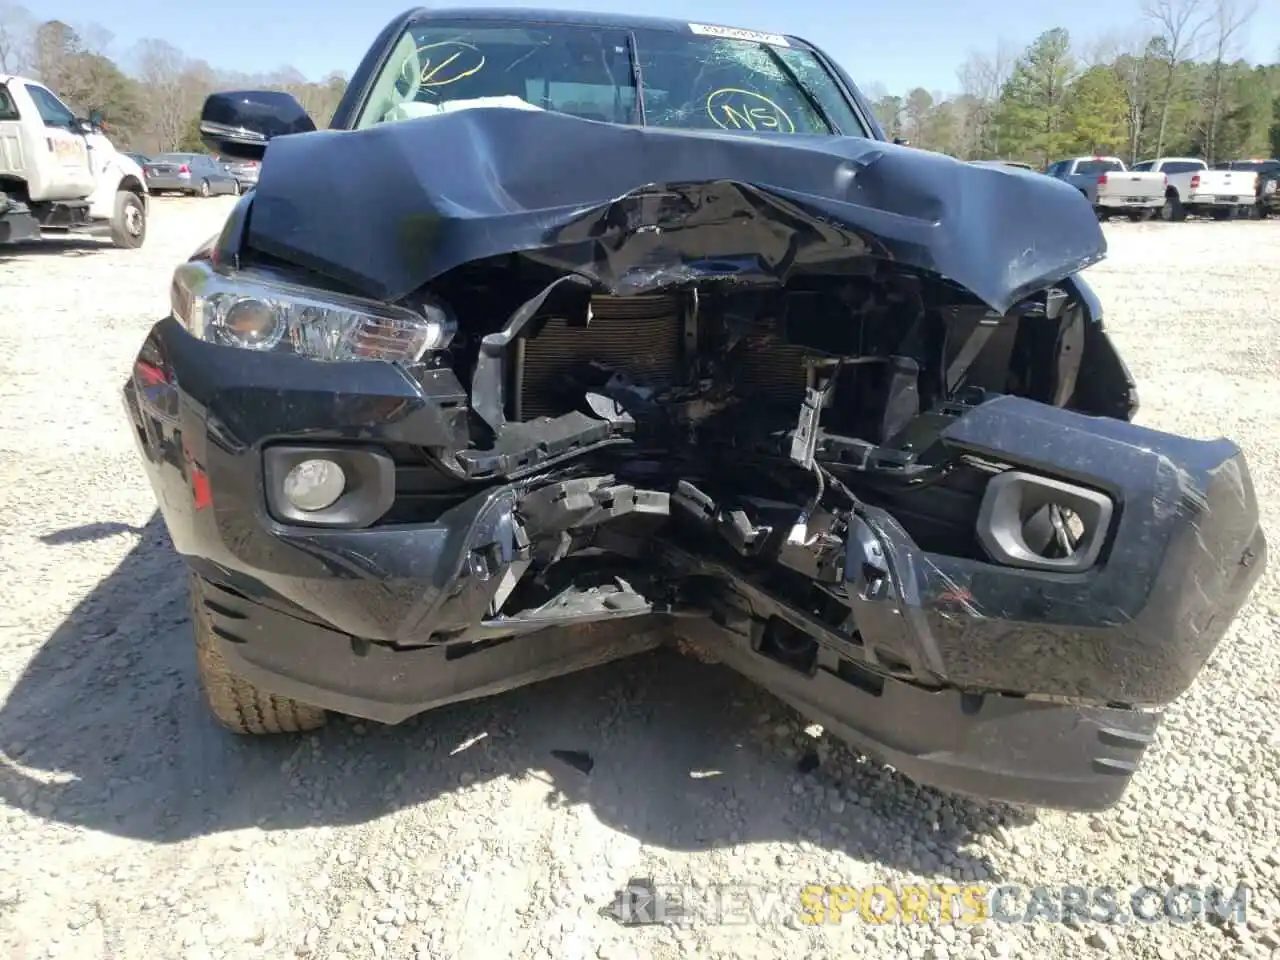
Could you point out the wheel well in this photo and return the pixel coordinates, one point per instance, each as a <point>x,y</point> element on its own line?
<point>1171,193</point>
<point>15,187</point>
<point>132,184</point>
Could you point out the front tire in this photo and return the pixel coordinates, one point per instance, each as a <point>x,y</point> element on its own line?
<point>129,222</point>
<point>234,702</point>
<point>204,188</point>
<point>1172,210</point>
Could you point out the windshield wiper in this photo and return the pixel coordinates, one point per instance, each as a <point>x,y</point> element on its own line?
<point>637,77</point>
<point>794,79</point>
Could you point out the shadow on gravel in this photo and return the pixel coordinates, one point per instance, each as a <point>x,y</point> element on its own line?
<point>106,730</point>
<point>90,532</point>
<point>74,246</point>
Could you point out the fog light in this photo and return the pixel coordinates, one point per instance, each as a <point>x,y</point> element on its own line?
<point>314,484</point>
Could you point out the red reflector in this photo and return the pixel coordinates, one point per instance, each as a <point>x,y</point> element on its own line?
<point>1195,180</point>
<point>201,495</point>
<point>149,373</point>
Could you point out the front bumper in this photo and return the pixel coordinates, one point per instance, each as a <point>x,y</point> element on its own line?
<point>1031,687</point>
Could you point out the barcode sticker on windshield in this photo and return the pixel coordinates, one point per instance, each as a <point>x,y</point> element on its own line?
<point>733,33</point>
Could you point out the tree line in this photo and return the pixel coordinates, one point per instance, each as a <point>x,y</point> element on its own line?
<point>151,97</point>
<point>1174,84</point>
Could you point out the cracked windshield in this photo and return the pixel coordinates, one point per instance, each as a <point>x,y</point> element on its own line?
<point>643,77</point>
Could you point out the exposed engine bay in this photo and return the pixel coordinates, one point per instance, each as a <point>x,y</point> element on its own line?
<point>656,436</point>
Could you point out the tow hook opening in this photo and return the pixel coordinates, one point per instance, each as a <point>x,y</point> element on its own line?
<point>1039,523</point>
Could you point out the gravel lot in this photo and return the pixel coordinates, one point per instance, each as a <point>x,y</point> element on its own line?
<point>134,828</point>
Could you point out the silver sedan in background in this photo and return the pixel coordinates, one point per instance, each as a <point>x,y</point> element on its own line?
<point>245,172</point>
<point>194,174</point>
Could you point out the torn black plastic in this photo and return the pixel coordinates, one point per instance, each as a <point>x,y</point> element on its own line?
<point>640,209</point>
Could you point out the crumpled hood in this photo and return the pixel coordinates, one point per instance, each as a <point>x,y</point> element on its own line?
<point>388,209</point>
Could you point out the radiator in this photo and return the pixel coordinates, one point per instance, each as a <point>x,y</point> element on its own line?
<point>775,372</point>
<point>639,336</point>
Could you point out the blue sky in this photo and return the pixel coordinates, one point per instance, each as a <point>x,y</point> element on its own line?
<point>904,44</point>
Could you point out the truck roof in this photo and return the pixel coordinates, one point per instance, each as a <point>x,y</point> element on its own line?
<point>1175,160</point>
<point>581,17</point>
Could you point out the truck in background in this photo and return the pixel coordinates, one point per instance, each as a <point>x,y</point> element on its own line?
<point>1267,191</point>
<point>1195,189</point>
<point>60,172</point>
<point>1110,187</point>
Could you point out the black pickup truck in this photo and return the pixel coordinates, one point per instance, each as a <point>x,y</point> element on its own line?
<point>579,334</point>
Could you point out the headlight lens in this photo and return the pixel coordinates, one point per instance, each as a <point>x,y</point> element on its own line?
<point>259,313</point>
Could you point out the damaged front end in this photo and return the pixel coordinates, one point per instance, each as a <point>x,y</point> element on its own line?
<point>856,438</point>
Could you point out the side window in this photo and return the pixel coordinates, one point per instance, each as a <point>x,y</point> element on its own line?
<point>52,111</point>
<point>8,109</point>
<point>1144,167</point>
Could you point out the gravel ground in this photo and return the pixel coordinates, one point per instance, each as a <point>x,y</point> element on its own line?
<point>134,828</point>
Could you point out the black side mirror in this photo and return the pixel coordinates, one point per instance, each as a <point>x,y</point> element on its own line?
<point>97,117</point>
<point>237,124</point>
<point>902,143</point>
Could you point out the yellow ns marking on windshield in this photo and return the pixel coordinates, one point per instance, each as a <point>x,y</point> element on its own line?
<point>460,60</point>
<point>734,33</point>
<point>734,109</point>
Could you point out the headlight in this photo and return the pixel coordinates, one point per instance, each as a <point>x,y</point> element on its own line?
<point>259,313</point>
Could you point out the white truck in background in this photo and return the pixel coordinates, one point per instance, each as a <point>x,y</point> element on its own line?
<point>1195,189</point>
<point>1112,188</point>
<point>58,172</point>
